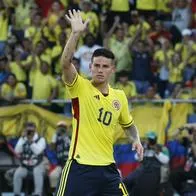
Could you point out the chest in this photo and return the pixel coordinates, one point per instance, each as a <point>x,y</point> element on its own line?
<point>105,109</point>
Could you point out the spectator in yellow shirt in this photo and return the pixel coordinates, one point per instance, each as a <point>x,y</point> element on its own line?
<point>176,67</point>
<point>126,85</point>
<point>137,23</point>
<point>13,91</point>
<point>61,27</point>
<point>16,67</point>
<point>54,14</point>
<point>52,21</point>
<point>56,53</point>
<point>119,8</point>
<point>44,85</point>
<point>87,12</point>
<point>164,8</point>
<point>33,62</point>
<point>3,27</point>
<point>35,30</point>
<point>147,8</point>
<point>187,46</point>
<point>151,93</point>
<point>120,45</point>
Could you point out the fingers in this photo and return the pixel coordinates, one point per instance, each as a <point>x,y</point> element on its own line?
<point>73,14</point>
<point>67,17</point>
<point>139,150</point>
<point>86,22</point>
<point>133,147</point>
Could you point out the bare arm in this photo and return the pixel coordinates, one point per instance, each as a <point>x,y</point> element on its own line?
<point>110,32</point>
<point>132,133</point>
<point>133,137</point>
<point>78,26</point>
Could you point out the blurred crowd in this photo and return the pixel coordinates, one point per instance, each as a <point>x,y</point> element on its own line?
<point>153,41</point>
<point>38,164</point>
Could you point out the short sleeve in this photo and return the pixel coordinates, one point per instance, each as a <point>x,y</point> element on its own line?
<point>125,118</point>
<point>77,86</point>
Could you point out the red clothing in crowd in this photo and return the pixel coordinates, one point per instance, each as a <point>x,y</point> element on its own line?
<point>156,35</point>
<point>45,6</point>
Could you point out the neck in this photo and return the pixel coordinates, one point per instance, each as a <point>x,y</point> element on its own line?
<point>102,87</point>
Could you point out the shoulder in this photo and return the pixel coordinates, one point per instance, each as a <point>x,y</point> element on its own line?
<point>79,80</point>
<point>20,85</point>
<point>4,85</point>
<point>131,83</point>
<point>118,92</point>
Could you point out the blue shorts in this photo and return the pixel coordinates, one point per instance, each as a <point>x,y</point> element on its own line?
<point>86,180</point>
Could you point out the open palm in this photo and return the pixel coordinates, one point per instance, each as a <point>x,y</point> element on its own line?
<point>77,25</point>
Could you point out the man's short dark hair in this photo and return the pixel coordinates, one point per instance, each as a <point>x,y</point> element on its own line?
<point>104,53</point>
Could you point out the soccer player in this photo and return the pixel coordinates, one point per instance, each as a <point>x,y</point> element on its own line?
<point>98,109</point>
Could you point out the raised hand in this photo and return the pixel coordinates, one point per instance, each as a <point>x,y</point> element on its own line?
<point>75,19</point>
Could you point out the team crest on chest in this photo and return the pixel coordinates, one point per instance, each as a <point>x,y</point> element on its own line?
<point>116,104</point>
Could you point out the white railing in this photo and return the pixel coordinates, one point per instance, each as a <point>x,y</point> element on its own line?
<point>31,101</point>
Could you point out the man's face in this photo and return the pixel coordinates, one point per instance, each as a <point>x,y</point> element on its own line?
<point>89,41</point>
<point>181,3</point>
<point>2,65</point>
<point>11,80</point>
<point>44,68</point>
<point>101,69</point>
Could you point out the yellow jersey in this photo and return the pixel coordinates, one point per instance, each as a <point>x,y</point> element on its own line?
<point>18,71</point>
<point>3,25</point>
<point>145,29</point>
<point>120,5</point>
<point>183,49</point>
<point>33,33</point>
<point>159,55</point>
<point>162,5</point>
<point>95,119</point>
<point>175,73</point>
<point>43,85</point>
<point>94,21</point>
<point>146,5</point>
<point>18,91</point>
<point>129,89</point>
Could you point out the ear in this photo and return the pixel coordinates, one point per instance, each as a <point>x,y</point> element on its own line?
<point>113,69</point>
<point>90,66</point>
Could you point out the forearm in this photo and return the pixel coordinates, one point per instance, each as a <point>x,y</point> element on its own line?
<point>69,50</point>
<point>19,145</point>
<point>132,133</point>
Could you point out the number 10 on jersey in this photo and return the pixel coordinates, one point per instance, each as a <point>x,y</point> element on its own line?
<point>105,117</point>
